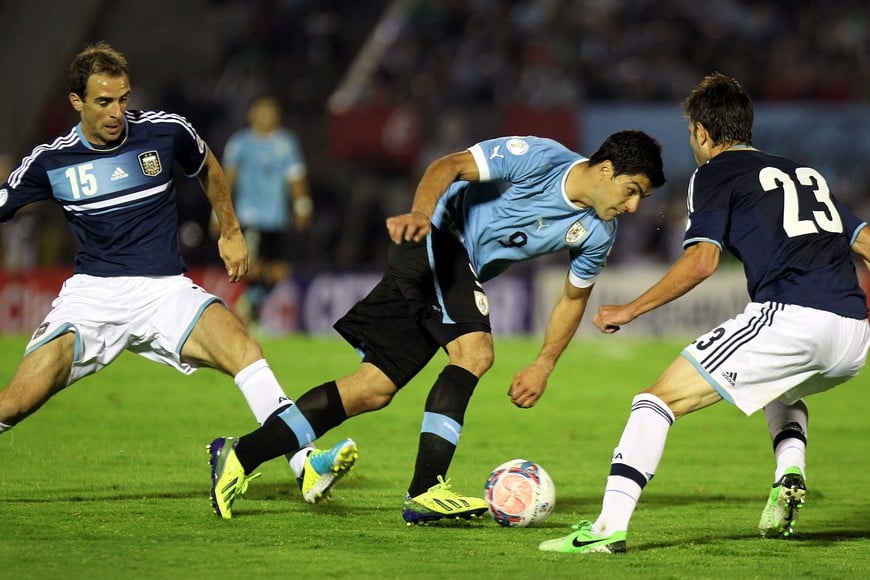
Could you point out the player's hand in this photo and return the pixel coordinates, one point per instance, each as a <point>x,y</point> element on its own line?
<point>610,318</point>
<point>233,251</point>
<point>528,386</point>
<point>408,227</point>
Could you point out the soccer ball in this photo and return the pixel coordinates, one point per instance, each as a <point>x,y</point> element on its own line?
<point>519,492</point>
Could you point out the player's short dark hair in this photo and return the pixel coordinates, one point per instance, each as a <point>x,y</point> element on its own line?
<point>723,107</point>
<point>632,153</point>
<point>95,59</point>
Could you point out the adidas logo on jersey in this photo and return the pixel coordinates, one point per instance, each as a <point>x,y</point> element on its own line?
<point>118,174</point>
<point>730,377</point>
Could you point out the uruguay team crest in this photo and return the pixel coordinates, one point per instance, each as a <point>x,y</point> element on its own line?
<point>482,302</point>
<point>575,233</point>
<point>149,161</point>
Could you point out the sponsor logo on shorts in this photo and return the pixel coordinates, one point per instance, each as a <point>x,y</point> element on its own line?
<point>730,377</point>
<point>4,195</point>
<point>482,302</point>
<point>40,331</point>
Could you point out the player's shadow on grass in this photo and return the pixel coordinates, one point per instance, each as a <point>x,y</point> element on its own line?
<point>281,491</point>
<point>589,508</point>
<point>801,538</point>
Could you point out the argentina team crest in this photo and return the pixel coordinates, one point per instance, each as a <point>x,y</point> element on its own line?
<point>149,161</point>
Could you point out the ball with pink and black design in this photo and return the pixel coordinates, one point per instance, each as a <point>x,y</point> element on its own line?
<point>520,493</point>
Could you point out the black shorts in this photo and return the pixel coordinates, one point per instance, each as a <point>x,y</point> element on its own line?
<point>271,245</point>
<point>415,310</point>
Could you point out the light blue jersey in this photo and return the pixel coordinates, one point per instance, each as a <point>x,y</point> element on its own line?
<point>519,210</point>
<point>264,165</point>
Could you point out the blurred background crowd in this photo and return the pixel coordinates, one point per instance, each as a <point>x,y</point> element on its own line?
<point>375,90</point>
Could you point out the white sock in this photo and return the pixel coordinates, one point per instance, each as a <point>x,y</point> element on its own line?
<point>4,427</point>
<point>639,452</point>
<point>265,396</point>
<point>297,462</point>
<point>790,453</point>
<point>261,390</point>
<point>783,420</point>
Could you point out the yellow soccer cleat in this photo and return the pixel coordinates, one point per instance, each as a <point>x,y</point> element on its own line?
<point>228,479</point>
<point>440,503</point>
<point>324,467</point>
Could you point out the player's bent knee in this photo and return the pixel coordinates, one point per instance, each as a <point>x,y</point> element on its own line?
<point>366,390</point>
<point>476,365</point>
<point>365,402</point>
<point>473,353</point>
<point>252,351</point>
<point>16,404</point>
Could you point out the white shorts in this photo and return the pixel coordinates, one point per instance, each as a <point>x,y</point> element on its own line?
<point>775,351</point>
<point>151,316</point>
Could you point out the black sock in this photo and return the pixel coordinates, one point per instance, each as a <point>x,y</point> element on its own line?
<point>446,402</point>
<point>313,414</point>
<point>322,407</point>
<point>273,439</point>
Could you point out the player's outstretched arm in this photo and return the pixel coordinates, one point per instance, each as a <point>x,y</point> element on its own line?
<point>231,243</point>
<point>529,383</point>
<point>697,263</point>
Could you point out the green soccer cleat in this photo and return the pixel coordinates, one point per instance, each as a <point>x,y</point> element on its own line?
<point>440,503</point>
<point>786,498</point>
<point>324,467</point>
<point>228,479</point>
<point>583,541</point>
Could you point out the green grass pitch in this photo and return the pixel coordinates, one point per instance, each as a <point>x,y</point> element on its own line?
<point>110,478</point>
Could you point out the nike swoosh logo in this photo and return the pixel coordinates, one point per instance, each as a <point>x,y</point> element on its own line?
<point>577,544</point>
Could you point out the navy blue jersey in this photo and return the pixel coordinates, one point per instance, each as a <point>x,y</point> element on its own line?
<point>119,201</point>
<point>780,219</point>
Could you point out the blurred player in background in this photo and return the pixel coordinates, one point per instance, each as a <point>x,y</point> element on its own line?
<point>804,331</point>
<point>475,213</point>
<point>19,247</point>
<point>266,171</point>
<point>113,176</point>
